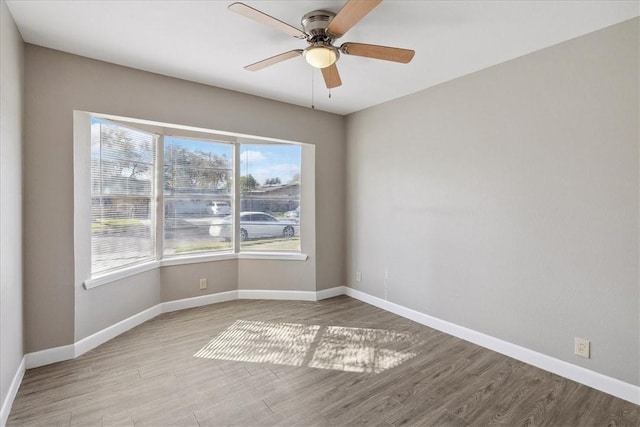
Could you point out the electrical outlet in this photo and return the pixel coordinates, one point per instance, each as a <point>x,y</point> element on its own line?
<point>358,276</point>
<point>583,348</point>
<point>203,283</point>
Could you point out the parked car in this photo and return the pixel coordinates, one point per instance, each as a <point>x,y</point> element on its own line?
<point>220,208</point>
<point>293,215</point>
<point>254,225</point>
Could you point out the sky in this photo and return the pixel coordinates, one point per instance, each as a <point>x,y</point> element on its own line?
<point>270,161</point>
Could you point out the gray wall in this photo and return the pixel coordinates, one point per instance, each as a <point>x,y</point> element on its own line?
<point>506,201</point>
<point>11,100</point>
<point>58,83</point>
<point>222,276</point>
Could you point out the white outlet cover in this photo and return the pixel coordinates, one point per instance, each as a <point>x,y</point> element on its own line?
<point>582,347</point>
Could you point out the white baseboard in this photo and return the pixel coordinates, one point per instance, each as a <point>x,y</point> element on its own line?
<point>185,303</point>
<point>67,352</point>
<point>277,295</point>
<point>330,293</point>
<point>49,356</point>
<point>576,373</point>
<point>613,386</point>
<point>13,391</point>
<point>109,333</point>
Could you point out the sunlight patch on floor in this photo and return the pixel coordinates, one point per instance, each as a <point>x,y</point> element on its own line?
<point>260,342</point>
<point>323,347</point>
<point>361,350</point>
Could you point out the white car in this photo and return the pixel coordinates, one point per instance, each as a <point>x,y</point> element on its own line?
<point>220,208</point>
<point>254,225</point>
<point>293,215</point>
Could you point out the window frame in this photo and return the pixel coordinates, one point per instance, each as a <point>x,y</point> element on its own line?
<point>82,193</point>
<point>161,199</point>
<point>152,196</point>
<point>257,216</point>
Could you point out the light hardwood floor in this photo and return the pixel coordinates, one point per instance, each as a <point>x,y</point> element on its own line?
<point>334,362</point>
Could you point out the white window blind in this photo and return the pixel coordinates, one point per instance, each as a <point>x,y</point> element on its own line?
<point>122,202</point>
<point>197,187</point>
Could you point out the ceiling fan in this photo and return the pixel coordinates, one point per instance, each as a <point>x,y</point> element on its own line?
<point>321,29</point>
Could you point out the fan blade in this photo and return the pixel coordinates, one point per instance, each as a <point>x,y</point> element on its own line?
<point>386,53</point>
<point>352,12</point>
<point>331,76</point>
<point>263,18</point>
<point>273,60</point>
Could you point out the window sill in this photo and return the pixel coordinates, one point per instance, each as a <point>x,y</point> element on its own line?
<point>120,274</point>
<point>284,256</point>
<point>194,259</point>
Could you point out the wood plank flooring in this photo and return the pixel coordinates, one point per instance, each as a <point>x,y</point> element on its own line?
<point>150,377</point>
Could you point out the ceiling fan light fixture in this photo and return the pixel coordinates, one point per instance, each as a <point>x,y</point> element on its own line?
<point>321,55</point>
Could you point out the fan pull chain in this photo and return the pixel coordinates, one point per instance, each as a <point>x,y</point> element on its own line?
<point>313,107</point>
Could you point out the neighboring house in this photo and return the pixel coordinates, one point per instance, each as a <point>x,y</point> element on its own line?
<point>276,198</point>
<point>112,202</point>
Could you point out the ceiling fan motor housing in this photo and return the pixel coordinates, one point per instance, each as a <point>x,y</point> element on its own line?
<point>315,25</point>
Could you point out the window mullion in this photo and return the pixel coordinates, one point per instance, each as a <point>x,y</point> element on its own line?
<point>236,198</point>
<point>159,196</point>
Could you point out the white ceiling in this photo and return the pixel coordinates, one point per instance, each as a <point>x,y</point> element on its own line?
<point>204,42</point>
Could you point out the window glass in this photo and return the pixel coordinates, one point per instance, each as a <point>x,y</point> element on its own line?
<point>122,189</point>
<point>197,185</point>
<point>270,189</point>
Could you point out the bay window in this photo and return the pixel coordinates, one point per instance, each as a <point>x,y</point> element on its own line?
<point>170,194</point>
